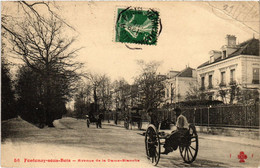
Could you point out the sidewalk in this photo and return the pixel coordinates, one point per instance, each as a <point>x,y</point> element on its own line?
<point>244,141</point>
<point>240,140</point>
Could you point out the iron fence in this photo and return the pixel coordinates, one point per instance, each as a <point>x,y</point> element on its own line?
<point>242,116</point>
<point>238,115</point>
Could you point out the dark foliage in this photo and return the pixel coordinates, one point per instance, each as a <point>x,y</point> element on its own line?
<point>7,94</point>
<point>32,103</point>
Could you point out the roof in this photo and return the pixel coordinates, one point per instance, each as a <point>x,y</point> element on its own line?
<point>249,47</point>
<point>187,72</point>
<point>173,71</point>
<point>162,76</point>
<point>172,74</point>
<point>215,51</point>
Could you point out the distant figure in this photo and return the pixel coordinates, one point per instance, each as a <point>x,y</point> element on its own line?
<point>40,111</point>
<point>154,119</point>
<point>116,117</point>
<point>101,116</point>
<point>99,121</point>
<point>172,140</point>
<point>88,121</point>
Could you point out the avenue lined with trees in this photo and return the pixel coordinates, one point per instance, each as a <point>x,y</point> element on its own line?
<point>50,77</point>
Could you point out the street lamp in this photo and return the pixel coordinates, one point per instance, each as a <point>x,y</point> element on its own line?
<point>194,116</point>
<point>208,118</point>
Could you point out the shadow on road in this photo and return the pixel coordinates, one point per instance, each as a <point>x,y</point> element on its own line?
<point>165,161</point>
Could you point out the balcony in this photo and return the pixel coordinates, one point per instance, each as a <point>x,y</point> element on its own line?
<point>222,84</point>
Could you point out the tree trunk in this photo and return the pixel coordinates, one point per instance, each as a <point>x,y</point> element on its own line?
<point>95,99</point>
<point>49,117</point>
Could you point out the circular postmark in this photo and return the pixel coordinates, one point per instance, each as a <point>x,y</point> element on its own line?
<point>136,25</point>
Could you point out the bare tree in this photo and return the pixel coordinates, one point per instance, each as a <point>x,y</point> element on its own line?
<point>121,94</point>
<point>39,42</point>
<point>150,85</point>
<point>233,91</point>
<point>223,92</point>
<point>170,90</point>
<point>105,93</point>
<point>39,10</point>
<point>101,86</point>
<point>195,92</point>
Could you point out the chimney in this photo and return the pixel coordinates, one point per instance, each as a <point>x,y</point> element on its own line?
<point>231,40</point>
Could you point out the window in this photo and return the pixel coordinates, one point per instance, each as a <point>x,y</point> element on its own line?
<point>210,82</point>
<point>255,76</point>
<point>224,54</point>
<point>232,76</point>
<point>223,79</point>
<point>203,83</point>
<point>167,92</point>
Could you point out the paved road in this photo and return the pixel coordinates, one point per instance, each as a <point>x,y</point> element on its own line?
<point>71,140</point>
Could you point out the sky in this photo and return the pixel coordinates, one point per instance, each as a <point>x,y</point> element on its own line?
<point>189,31</point>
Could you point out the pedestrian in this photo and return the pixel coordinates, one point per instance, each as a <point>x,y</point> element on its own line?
<point>99,120</point>
<point>88,121</point>
<point>116,117</point>
<point>153,118</point>
<point>41,114</point>
<point>173,140</point>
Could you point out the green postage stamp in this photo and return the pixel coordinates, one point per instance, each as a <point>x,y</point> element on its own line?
<point>138,26</point>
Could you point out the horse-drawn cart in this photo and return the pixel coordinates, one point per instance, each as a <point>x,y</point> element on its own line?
<point>188,144</point>
<point>133,117</point>
<point>92,119</point>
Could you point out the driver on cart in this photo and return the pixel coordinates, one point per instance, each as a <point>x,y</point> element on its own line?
<point>153,118</point>
<point>172,140</point>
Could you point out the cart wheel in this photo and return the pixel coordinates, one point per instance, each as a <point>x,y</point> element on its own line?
<point>190,150</point>
<point>152,145</point>
<point>140,125</point>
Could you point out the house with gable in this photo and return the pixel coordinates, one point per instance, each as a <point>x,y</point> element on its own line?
<point>177,84</point>
<point>231,71</point>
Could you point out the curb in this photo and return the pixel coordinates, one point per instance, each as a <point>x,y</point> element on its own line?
<point>246,141</point>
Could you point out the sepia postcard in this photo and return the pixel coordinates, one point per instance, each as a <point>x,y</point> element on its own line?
<point>130,84</point>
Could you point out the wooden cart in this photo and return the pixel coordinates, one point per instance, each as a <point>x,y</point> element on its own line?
<point>188,144</point>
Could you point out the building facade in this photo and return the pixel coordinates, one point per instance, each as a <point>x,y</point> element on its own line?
<point>234,65</point>
<point>177,84</point>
